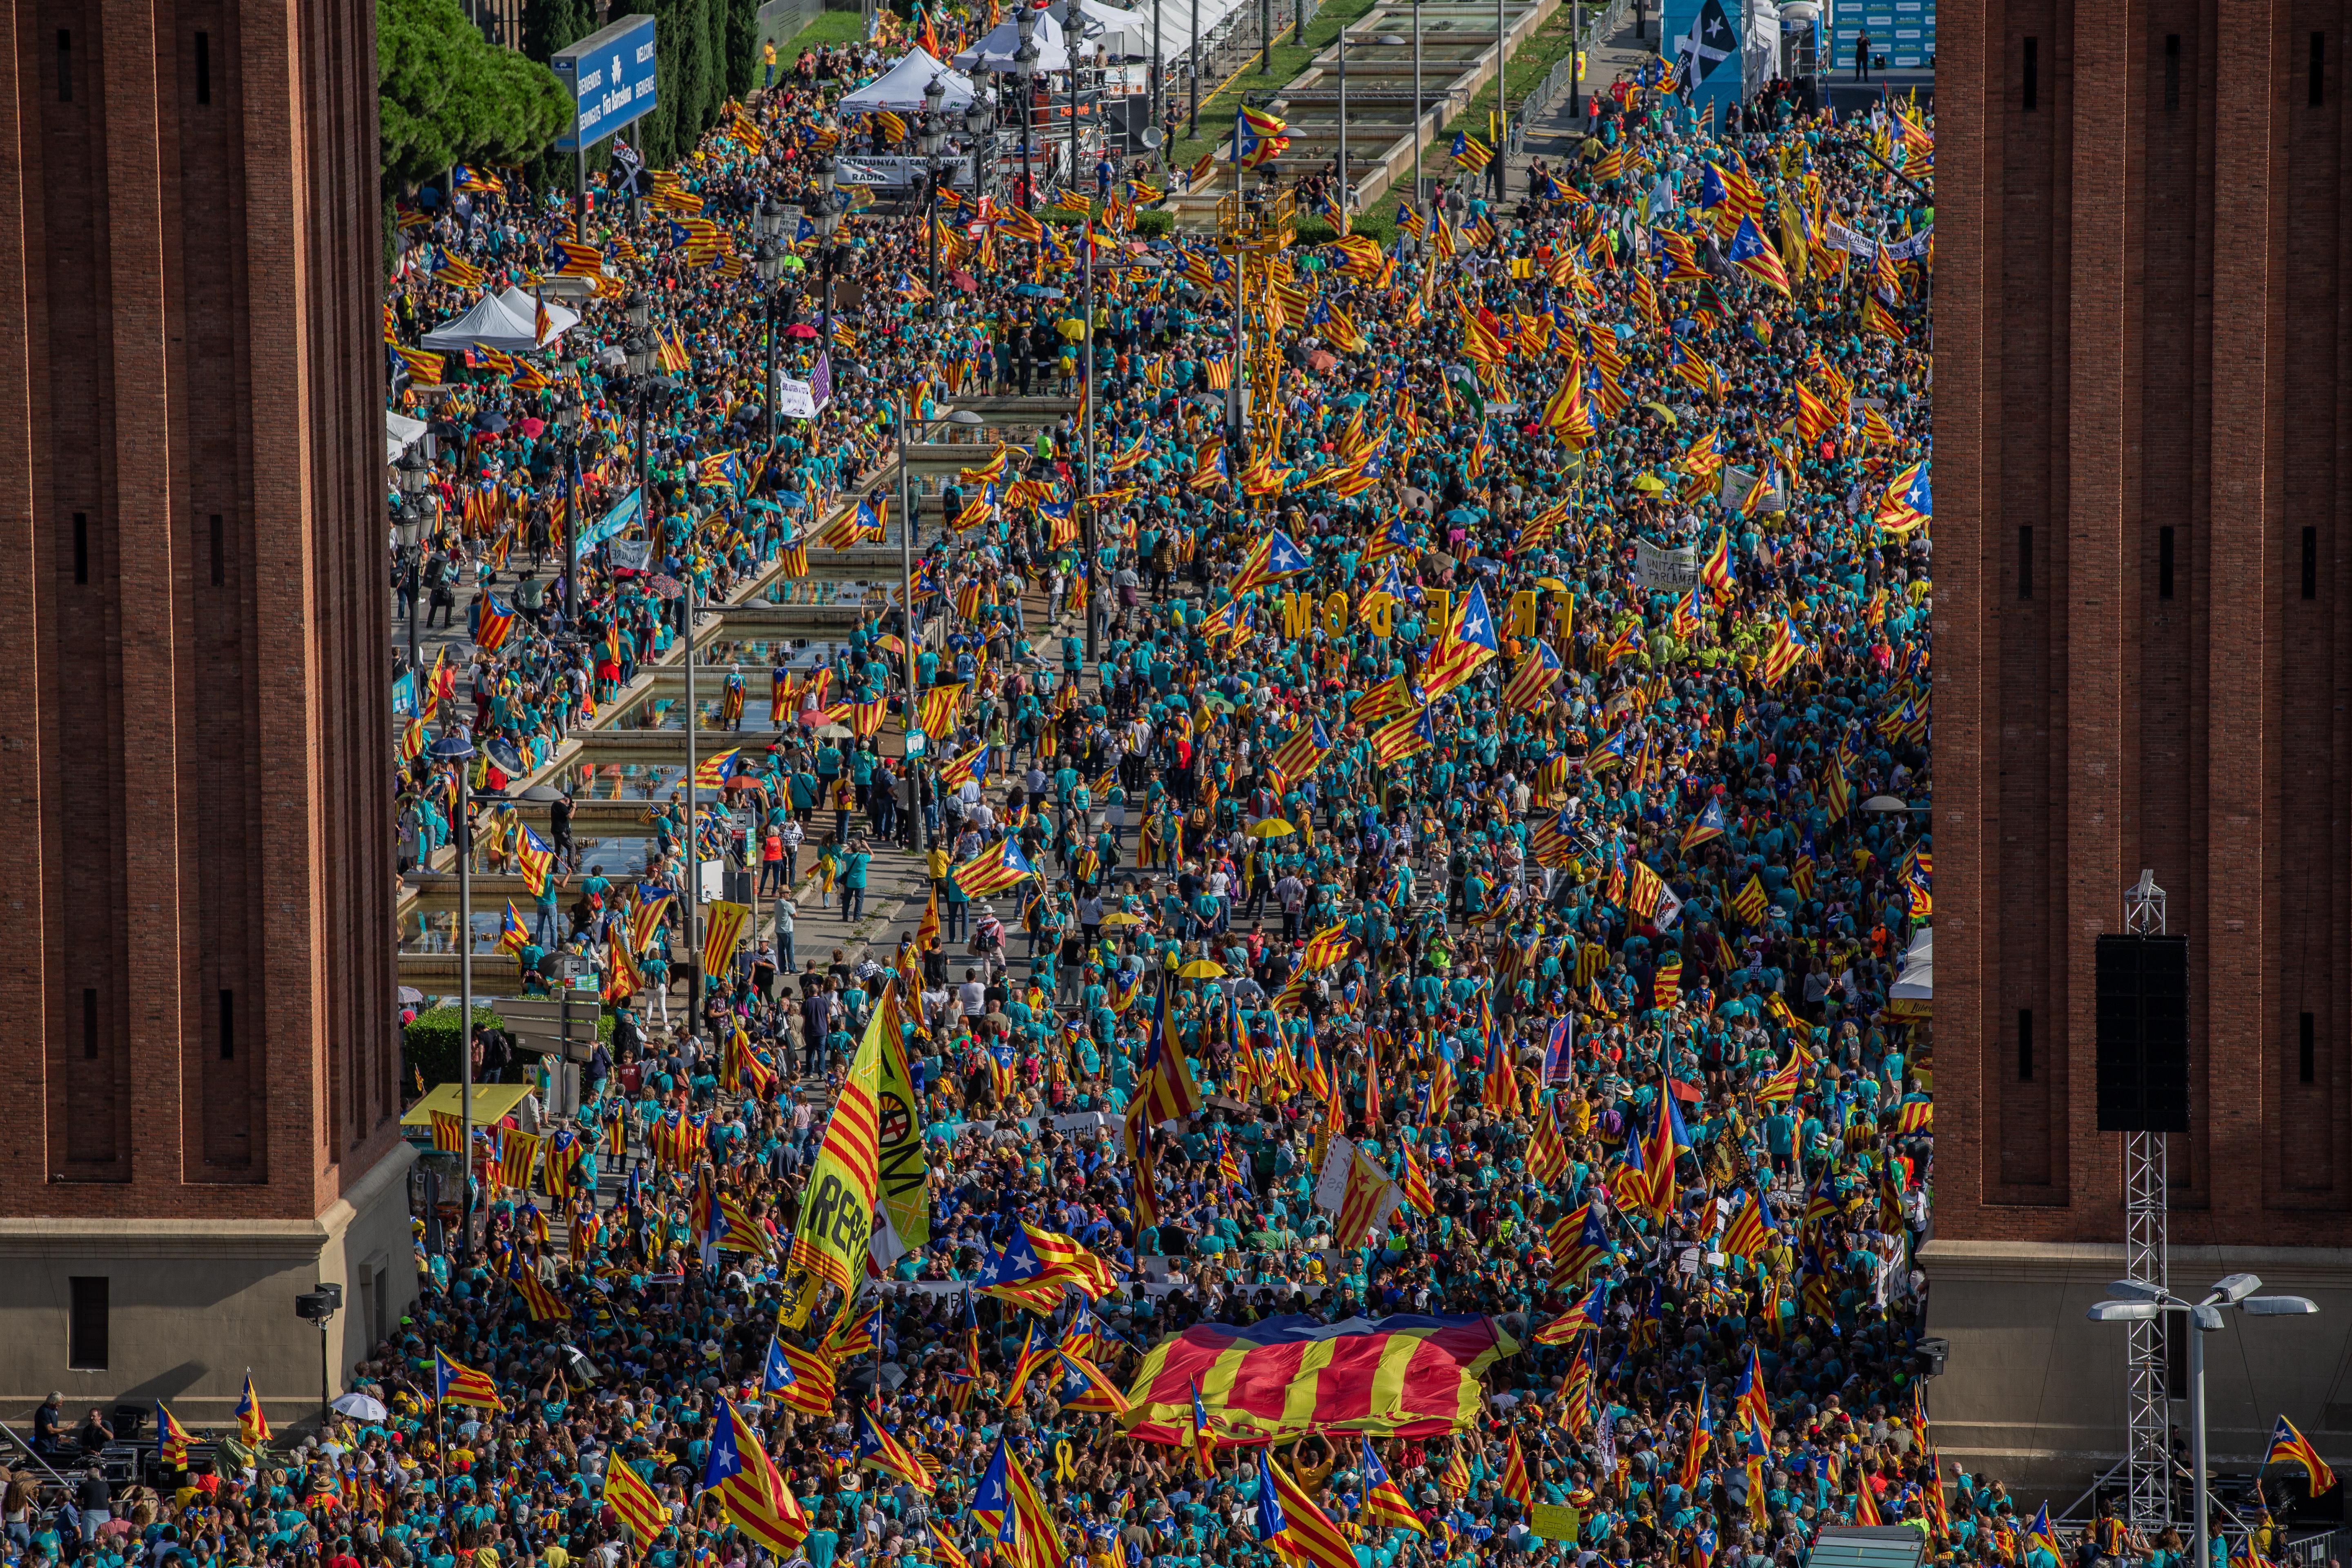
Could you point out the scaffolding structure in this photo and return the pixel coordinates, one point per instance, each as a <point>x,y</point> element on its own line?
<point>2147,1260</point>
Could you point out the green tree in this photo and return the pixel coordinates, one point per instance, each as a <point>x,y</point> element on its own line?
<point>742,45</point>
<point>552,25</point>
<point>446,95</point>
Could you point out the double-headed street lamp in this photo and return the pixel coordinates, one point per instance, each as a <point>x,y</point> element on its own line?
<point>455,749</point>
<point>931,140</point>
<point>1074,28</point>
<point>571,411</point>
<point>2145,1302</point>
<point>980,125</point>
<point>782,307</point>
<point>1024,71</point>
<point>410,524</point>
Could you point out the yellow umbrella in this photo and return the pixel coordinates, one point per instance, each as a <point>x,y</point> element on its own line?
<point>1270,828</point>
<point>1551,585</point>
<point>1663,412</point>
<point>1203,969</point>
<point>1649,484</point>
<point>1122,919</point>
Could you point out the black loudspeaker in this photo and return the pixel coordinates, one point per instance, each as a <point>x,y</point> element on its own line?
<point>2143,995</point>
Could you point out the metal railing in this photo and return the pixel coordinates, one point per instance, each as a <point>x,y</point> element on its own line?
<point>1239,37</point>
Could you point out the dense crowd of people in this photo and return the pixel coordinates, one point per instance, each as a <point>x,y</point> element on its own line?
<point>1430,827</point>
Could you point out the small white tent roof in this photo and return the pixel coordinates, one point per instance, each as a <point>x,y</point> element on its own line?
<point>995,51</point>
<point>400,433</point>
<point>1120,33</point>
<point>899,89</point>
<point>526,310</point>
<point>508,322</point>
<point>490,325</point>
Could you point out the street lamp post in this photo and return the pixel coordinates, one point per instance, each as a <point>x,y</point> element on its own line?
<point>455,749</point>
<point>770,265</point>
<point>1025,71</point>
<point>1420,110</point>
<point>1576,56</point>
<point>1074,28</point>
<point>1193,71</point>
<point>415,473</point>
<point>979,124</point>
<point>1503,105</point>
<point>906,623</point>
<point>929,142</point>
<point>2144,1302</point>
<point>569,409</point>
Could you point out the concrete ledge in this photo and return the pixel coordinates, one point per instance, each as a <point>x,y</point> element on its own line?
<point>192,1305</point>
<point>2034,1392</point>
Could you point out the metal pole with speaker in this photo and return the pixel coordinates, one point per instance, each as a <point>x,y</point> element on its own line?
<point>2142,985</point>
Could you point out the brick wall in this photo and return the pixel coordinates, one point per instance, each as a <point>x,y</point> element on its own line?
<point>2140,335</point>
<point>198,985</point>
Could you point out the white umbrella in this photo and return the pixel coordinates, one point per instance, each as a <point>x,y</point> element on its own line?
<point>360,1407</point>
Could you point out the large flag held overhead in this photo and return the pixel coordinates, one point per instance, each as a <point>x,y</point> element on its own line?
<point>750,1485</point>
<point>836,1219</point>
<point>1400,1376</point>
<point>904,1174</point>
<point>1287,1520</point>
<point>454,1383</point>
<point>633,1502</point>
<point>1008,1501</point>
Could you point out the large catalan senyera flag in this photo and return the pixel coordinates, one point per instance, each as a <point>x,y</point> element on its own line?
<point>1399,1376</point>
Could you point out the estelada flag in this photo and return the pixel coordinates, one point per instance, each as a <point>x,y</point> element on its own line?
<point>1008,1504</point>
<point>518,1155</point>
<point>633,1502</point>
<point>1287,1520</point>
<point>252,1426</point>
<point>544,1304</point>
<point>454,1383</point>
<point>750,1486</point>
<point>1384,1501</point>
<point>879,1450</point>
<point>171,1439</point>
<point>722,929</point>
<point>1327,947</point>
<point>993,873</point>
<point>2289,1447</point>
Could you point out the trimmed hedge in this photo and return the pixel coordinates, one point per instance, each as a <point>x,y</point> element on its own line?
<point>429,1046</point>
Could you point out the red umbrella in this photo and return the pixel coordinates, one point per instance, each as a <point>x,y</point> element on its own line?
<point>965,281</point>
<point>800,329</point>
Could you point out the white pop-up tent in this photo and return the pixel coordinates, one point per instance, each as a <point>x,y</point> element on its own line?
<point>525,309</point>
<point>400,433</point>
<point>1121,35</point>
<point>508,322</point>
<point>899,89</point>
<point>995,52</point>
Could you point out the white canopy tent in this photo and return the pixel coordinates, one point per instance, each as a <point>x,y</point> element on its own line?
<point>899,89</point>
<point>1915,987</point>
<point>1176,33</point>
<point>508,322</point>
<point>995,52</point>
<point>400,433</point>
<point>1121,35</point>
<point>526,310</point>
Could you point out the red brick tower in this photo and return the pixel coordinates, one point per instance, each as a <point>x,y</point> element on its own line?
<point>2144,562</point>
<point>201,1069</point>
